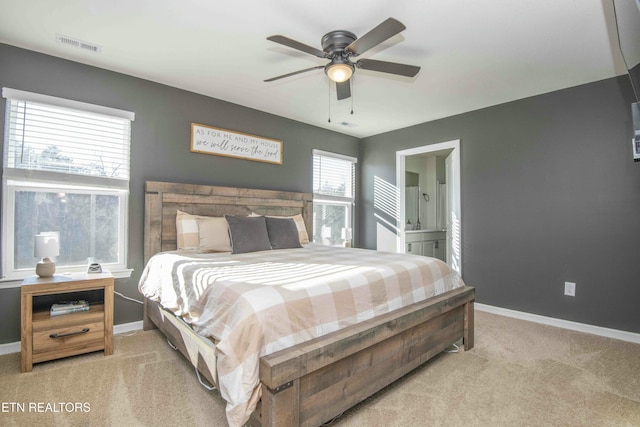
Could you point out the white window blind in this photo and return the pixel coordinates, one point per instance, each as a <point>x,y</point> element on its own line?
<point>75,145</point>
<point>333,174</point>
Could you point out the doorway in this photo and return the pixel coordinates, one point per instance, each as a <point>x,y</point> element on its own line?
<point>448,214</point>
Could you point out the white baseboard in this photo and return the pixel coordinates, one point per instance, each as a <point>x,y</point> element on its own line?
<point>559,323</point>
<point>14,347</point>
<point>127,327</point>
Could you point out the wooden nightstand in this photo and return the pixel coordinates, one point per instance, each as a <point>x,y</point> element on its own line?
<point>45,337</point>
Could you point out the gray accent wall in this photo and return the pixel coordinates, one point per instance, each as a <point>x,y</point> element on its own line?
<point>550,194</point>
<point>160,147</point>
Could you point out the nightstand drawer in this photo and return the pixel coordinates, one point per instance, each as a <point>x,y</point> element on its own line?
<point>66,341</point>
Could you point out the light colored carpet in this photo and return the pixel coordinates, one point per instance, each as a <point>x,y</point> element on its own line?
<point>519,374</point>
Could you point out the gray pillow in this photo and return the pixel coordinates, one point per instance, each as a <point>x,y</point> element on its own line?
<point>248,234</point>
<point>283,233</point>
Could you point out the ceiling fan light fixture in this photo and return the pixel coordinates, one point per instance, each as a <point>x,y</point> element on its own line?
<point>339,71</point>
<point>340,46</point>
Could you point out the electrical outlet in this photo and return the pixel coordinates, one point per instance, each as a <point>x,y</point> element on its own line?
<point>570,289</point>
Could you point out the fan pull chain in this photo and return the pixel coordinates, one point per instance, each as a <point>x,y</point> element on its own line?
<point>352,94</point>
<point>329,101</point>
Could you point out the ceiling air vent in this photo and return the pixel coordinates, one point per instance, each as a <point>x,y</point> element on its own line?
<point>70,41</point>
<point>349,124</point>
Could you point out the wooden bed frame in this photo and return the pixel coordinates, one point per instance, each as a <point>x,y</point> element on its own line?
<point>312,382</point>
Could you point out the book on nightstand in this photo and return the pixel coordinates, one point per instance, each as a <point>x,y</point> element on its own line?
<point>66,307</point>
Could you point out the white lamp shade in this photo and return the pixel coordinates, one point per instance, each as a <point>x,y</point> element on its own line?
<point>346,233</point>
<point>325,232</point>
<point>46,245</point>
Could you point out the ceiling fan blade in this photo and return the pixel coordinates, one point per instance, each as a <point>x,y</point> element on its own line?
<point>294,73</point>
<point>388,67</point>
<point>297,45</point>
<point>382,32</point>
<point>343,89</point>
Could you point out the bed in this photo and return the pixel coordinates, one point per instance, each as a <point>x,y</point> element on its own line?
<point>312,381</point>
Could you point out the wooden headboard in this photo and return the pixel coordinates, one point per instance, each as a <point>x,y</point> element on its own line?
<point>164,199</point>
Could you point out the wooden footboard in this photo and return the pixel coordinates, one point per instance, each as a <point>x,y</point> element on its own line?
<point>315,381</point>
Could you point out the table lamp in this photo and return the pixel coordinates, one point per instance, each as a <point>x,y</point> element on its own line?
<point>46,246</point>
<point>347,236</point>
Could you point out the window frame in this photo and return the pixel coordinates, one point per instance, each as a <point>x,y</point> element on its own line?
<point>10,187</point>
<point>327,200</point>
<point>18,179</point>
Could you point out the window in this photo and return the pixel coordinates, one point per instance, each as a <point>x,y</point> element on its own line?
<point>66,169</point>
<point>333,198</point>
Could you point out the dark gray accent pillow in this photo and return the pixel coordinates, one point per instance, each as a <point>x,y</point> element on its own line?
<point>283,233</point>
<point>248,234</point>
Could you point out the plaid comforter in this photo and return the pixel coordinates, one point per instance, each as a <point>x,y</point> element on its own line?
<point>256,303</point>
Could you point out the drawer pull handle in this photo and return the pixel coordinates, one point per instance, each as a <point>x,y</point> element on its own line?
<point>68,334</point>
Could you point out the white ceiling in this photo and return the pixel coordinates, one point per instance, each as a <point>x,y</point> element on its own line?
<point>473,54</point>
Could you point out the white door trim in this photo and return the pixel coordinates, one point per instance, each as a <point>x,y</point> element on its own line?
<point>454,261</point>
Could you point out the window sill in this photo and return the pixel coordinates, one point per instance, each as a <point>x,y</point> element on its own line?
<point>16,282</point>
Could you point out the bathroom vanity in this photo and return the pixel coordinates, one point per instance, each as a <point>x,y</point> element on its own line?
<point>432,243</point>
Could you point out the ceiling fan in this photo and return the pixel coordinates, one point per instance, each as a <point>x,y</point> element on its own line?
<point>340,46</point>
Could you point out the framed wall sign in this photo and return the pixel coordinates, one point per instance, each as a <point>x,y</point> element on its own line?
<point>223,142</point>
